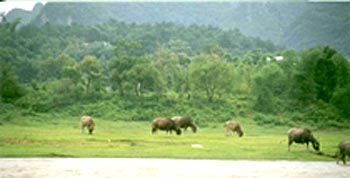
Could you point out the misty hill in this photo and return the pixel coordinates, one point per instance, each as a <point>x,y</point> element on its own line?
<point>292,24</point>
<point>25,16</point>
<point>266,20</point>
<point>321,24</point>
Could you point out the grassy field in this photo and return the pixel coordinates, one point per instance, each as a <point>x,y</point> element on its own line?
<point>38,136</point>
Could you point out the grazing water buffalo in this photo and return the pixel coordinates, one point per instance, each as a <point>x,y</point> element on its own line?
<point>166,124</point>
<point>87,121</point>
<point>234,127</point>
<point>184,122</point>
<point>344,150</point>
<point>302,135</point>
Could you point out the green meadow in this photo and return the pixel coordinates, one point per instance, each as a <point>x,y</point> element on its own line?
<point>38,136</point>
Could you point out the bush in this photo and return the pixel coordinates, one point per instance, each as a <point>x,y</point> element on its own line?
<point>341,100</point>
<point>36,100</point>
<point>332,124</point>
<point>320,112</point>
<point>262,119</point>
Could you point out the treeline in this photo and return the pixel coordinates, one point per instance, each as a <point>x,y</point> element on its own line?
<point>125,71</point>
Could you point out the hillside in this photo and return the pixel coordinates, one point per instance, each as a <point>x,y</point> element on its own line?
<point>291,24</point>
<point>321,24</point>
<point>263,19</point>
<point>25,16</point>
<point>253,19</point>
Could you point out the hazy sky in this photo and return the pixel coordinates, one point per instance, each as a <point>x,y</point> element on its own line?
<point>8,5</point>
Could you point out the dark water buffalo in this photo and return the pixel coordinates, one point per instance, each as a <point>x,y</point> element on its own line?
<point>302,135</point>
<point>166,124</point>
<point>234,127</point>
<point>184,122</point>
<point>344,150</point>
<point>87,121</point>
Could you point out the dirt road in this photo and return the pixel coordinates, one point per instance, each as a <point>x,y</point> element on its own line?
<point>125,167</point>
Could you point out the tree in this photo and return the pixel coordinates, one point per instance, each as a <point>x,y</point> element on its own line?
<point>126,56</point>
<point>269,88</point>
<point>320,74</point>
<point>178,46</point>
<point>49,69</point>
<point>91,73</point>
<point>167,63</point>
<point>342,69</point>
<point>145,76</point>
<point>10,89</point>
<point>211,75</point>
<point>72,73</point>
<point>325,78</point>
<point>341,100</point>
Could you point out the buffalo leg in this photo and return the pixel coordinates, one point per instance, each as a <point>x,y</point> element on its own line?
<point>153,130</point>
<point>289,144</point>
<point>227,132</point>
<point>343,158</point>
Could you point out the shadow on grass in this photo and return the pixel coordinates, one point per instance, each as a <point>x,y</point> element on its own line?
<point>58,155</point>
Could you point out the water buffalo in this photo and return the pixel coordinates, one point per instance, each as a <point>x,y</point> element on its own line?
<point>302,135</point>
<point>184,122</point>
<point>87,121</point>
<point>344,150</point>
<point>166,124</point>
<point>234,127</point>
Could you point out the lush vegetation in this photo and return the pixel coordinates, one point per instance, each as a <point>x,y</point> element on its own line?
<point>123,74</point>
<point>292,24</point>
<point>137,72</point>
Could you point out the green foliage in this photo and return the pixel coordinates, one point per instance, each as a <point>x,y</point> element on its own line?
<point>121,71</point>
<point>210,76</point>
<point>293,24</point>
<point>91,74</point>
<point>36,100</point>
<point>269,88</point>
<point>317,77</point>
<point>146,77</point>
<point>342,70</point>
<point>10,88</point>
<point>319,113</point>
<point>49,69</point>
<point>341,100</point>
<point>123,62</point>
<point>164,69</point>
<point>325,78</point>
<point>66,92</point>
<point>270,120</point>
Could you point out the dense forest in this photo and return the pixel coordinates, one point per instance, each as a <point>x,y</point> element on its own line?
<point>298,25</point>
<point>137,71</point>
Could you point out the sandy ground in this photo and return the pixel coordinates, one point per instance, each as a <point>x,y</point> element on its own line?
<point>133,167</point>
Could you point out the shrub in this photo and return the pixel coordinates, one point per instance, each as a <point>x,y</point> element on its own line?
<point>341,100</point>
<point>36,100</point>
<point>262,119</point>
<point>320,112</point>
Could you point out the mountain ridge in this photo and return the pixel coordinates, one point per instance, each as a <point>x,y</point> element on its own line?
<point>288,24</point>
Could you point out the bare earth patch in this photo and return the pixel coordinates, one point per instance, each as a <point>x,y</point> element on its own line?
<point>134,167</point>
